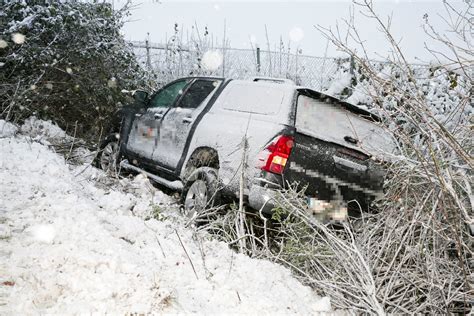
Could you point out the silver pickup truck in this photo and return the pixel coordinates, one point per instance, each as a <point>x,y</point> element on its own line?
<point>189,136</point>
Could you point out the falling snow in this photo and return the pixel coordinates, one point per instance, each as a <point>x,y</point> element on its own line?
<point>18,38</point>
<point>211,60</point>
<point>296,34</point>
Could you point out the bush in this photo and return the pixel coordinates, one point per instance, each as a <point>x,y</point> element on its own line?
<point>65,61</point>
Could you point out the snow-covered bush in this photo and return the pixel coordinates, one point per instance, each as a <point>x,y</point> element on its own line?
<point>65,61</point>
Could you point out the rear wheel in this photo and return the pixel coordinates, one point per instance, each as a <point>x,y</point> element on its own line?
<point>200,191</point>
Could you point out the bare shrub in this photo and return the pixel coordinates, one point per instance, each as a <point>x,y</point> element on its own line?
<point>419,245</point>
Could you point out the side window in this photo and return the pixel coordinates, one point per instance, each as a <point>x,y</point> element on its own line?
<point>167,96</point>
<point>198,92</point>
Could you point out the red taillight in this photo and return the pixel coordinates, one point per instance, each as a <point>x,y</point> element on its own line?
<point>276,154</point>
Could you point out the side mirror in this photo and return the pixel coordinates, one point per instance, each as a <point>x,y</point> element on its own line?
<point>140,96</point>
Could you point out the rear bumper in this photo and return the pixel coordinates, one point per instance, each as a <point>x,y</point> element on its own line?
<point>263,193</point>
<point>262,198</point>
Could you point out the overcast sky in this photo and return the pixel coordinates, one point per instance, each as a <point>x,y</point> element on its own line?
<point>293,20</point>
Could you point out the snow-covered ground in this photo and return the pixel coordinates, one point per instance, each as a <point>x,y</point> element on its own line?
<point>72,243</point>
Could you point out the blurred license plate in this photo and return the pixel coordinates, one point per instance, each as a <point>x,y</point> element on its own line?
<point>317,205</point>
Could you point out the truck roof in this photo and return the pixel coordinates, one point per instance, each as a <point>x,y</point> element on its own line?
<point>289,84</point>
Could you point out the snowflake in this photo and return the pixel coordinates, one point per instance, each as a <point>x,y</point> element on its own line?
<point>296,34</point>
<point>211,60</point>
<point>18,38</point>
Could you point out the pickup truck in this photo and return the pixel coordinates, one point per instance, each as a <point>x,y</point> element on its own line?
<point>190,136</point>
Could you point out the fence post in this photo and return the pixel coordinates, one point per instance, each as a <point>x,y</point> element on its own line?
<point>281,44</point>
<point>296,64</point>
<point>148,59</point>
<point>352,65</point>
<point>258,60</point>
<point>223,50</point>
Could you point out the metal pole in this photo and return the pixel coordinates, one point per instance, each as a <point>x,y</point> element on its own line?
<point>296,64</point>
<point>223,51</point>
<point>352,65</point>
<point>258,60</point>
<point>281,42</point>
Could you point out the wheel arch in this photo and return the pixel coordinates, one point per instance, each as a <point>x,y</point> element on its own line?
<point>203,156</point>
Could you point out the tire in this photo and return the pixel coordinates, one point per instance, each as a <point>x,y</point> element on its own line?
<point>201,191</point>
<point>109,155</point>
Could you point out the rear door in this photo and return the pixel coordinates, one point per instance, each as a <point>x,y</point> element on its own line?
<point>144,134</point>
<point>179,121</point>
<point>332,152</point>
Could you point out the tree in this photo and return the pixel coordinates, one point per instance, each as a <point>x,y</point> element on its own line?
<point>65,61</point>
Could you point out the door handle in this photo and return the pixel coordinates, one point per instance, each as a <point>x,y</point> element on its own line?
<point>158,116</point>
<point>187,120</point>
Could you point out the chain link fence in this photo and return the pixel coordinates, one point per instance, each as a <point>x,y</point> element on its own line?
<point>169,62</point>
<point>340,77</point>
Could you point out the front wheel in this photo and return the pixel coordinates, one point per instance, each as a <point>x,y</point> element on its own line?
<point>200,192</point>
<point>108,157</point>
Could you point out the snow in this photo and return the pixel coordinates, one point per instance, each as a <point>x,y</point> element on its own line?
<point>211,60</point>
<point>44,131</point>
<point>7,129</point>
<point>253,39</point>
<point>43,233</point>
<point>73,243</point>
<point>3,44</point>
<point>296,34</point>
<point>335,123</point>
<point>112,82</point>
<point>18,38</point>
<point>341,80</point>
<point>361,94</point>
<point>25,23</point>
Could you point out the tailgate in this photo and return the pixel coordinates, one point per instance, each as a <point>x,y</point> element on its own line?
<point>324,168</point>
<point>333,150</point>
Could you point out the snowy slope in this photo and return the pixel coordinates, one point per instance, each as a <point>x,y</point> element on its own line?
<point>71,245</point>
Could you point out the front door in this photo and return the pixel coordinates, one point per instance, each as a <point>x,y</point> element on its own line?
<point>179,121</point>
<point>144,134</point>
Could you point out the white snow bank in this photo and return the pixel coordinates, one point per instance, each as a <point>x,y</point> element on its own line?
<point>68,246</point>
<point>44,130</point>
<point>7,129</point>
